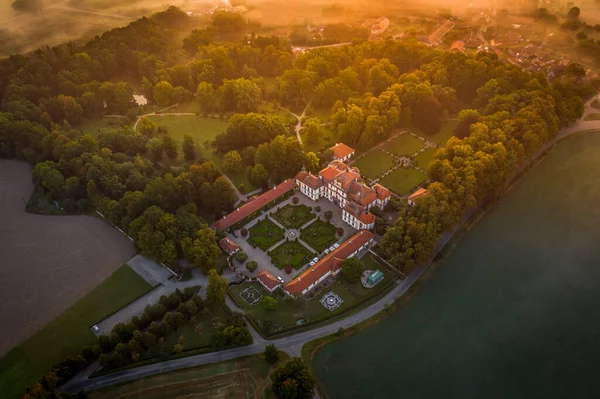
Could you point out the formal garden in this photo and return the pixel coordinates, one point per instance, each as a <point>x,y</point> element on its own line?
<point>425,157</point>
<point>265,234</point>
<point>374,164</point>
<point>320,235</point>
<point>290,253</point>
<point>288,313</point>
<point>294,216</point>
<point>403,181</point>
<point>404,145</point>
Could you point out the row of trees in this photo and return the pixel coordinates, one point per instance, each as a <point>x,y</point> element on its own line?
<point>515,114</point>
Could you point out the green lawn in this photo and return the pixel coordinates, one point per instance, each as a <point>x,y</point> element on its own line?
<point>320,113</point>
<point>203,130</point>
<point>425,157</point>
<point>374,164</point>
<point>326,140</point>
<point>290,253</point>
<point>211,320</point>
<point>405,144</point>
<point>320,235</point>
<point>294,216</point>
<point>265,234</point>
<point>403,181</point>
<point>69,332</point>
<point>199,127</point>
<point>592,117</point>
<point>289,311</point>
<point>93,127</point>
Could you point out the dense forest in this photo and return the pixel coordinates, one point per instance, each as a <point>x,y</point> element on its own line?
<point>156,188</point>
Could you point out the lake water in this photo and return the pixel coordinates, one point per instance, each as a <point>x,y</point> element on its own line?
<point>513,312</point>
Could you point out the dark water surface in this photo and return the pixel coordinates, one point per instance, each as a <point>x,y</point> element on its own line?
<point>513,312</point>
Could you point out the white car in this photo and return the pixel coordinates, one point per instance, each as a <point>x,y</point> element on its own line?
<point>95,328</point>
<point>316,259</point>
<point>280,279</point>
<point>326,251</point>
<point>312,263</point>
<point>336,245</point>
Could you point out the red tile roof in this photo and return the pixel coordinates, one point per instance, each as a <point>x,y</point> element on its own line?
<point>341,150</point>
<point>253,206</point>
<point>269,280</point>
<point>417,194</point>
<point>361,193</point>
<point>382,192</point>
<point>228,245</point>
<point>360,213</point>
<point>331,262</point>
<point>329,173</point>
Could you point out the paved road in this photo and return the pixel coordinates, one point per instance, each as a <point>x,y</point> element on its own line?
<point>291,344</point>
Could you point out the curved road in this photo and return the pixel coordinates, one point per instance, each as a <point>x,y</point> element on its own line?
<point>291,344</point>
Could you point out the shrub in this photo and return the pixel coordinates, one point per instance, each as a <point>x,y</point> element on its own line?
<point>328,214</point>
<point>295,200</point>
<point>340,231</point>
<point>241,257</point>
<point>318,208</point>
<point>252,265</point>
<point>288,269</point>
<point>271,354</point>
<point>244,232</point>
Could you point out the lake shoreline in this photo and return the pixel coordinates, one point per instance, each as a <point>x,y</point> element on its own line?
<point>310,349</point>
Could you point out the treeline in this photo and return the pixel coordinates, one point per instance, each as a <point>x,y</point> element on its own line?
<point>144,338</point>
<point>513,114</point>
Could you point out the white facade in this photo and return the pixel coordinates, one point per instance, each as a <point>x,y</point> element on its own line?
<point>354,222</point>
<point>313,194</point>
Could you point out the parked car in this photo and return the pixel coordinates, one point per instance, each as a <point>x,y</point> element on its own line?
<point>95,328</point>
<point>280,279</point>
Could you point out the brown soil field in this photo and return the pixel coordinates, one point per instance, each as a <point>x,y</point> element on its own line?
<point>47,263</point>
<point>244,378</point>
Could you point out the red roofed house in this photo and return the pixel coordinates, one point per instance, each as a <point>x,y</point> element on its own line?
<point>268,280</point>
<point>342,152</point>
<point>229,246</point>
<point>331,264</point>
<point>343,185</point>
<point>251,207</point>
<point>417,194</point>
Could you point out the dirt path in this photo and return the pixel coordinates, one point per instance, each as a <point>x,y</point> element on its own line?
<point>47,263</point>
<point>298,127</point>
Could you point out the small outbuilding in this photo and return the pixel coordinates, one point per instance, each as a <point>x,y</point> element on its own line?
<point>375,277</point>
<point>229,246</point>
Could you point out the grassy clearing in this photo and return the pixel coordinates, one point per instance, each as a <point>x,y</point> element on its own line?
<point>592,117</point>
<point>289,311</point>
<point>94,126</point>
<point>320,235</point>
<point>326,140</point>
<point>294,216</point>
<point>265,234</point>
<point>68,333</point>
<point>236,379</point>
<point>405,144</point>
<point>203,130</point>
<point>199,127</point>
<point>290,253</point>
<point>425,157</point>
<point>402,181</point>
<point>374,164</point>
<point>321,114</point>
